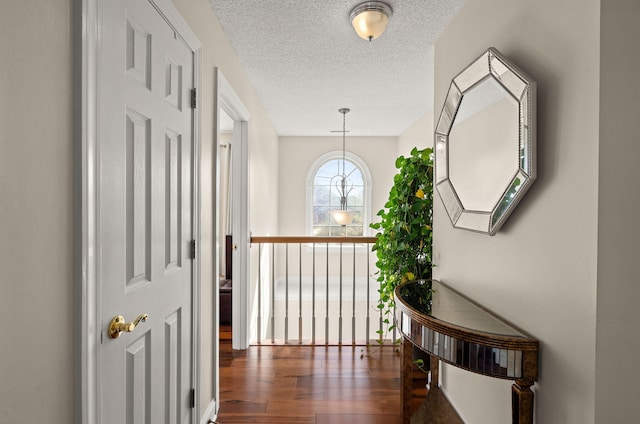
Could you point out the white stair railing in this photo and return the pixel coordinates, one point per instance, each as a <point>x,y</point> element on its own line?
<point>321,281</point>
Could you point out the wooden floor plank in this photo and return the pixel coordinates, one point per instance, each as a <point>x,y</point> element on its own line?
<point>358,419</point>
<point>259,394</point>
<point>245,406</point>
<point>266,419</point>
<point>368,394</point>
<point>342,406</point>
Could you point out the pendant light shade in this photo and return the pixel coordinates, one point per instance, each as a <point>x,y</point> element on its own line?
<point>342,217</point>
<point>370,19</point>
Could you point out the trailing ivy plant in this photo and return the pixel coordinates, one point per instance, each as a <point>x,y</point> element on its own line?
<point>403,244</point>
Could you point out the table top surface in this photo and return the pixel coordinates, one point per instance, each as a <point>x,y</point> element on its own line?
<point>451,308</point>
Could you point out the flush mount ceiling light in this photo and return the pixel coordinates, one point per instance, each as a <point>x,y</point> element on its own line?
<point>370,19</point>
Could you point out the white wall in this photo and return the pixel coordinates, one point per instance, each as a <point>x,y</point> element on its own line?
<point>419,135</point>
<point>617,342</point>
<point>297,154</point>
<point>37,365</point>
<point>263,160</point>
<point>539,271</point>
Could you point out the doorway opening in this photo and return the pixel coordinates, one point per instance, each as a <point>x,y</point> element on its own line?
<point>232,213</point>
<point>225,234</point>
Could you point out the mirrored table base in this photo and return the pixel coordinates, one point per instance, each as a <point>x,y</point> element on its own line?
<point>480,359</point>
<point>496,362</point>
<point>496,355</point>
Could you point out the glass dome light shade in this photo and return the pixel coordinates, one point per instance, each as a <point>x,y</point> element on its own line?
<point>370,19</point>
<point>342,217</point>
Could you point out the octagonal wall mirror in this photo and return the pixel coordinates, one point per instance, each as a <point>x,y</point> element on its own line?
<point>485,142</point>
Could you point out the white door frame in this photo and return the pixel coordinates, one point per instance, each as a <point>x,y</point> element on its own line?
<point>87,239</point>
<point>232,105</point>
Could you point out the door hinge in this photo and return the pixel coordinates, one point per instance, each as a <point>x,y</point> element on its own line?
<point>192,401</point>
<point>193,98</point>
<point>193,249</point>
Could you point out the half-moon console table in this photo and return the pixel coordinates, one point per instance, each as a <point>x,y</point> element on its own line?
<point>453,329</point>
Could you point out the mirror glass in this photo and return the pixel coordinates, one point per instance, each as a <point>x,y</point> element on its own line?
<point>485,143</point>
<point>482,151</point>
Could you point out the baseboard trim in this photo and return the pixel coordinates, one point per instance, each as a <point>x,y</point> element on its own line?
<point>210,414</point>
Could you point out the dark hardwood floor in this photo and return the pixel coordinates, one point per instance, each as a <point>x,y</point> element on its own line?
<point>304,384</point>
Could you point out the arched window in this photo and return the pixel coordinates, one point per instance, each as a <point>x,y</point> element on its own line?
<point>323,195</point>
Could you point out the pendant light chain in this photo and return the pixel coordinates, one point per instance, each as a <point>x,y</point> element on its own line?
<point>344,130</point>
<point>343,182</point>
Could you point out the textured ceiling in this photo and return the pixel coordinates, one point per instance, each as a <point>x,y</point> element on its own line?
<point>306,62</point>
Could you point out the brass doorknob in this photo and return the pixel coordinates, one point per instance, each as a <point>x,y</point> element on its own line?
<point>118,325</point>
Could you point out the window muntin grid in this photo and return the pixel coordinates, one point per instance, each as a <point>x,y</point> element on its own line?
<point>326,197</point>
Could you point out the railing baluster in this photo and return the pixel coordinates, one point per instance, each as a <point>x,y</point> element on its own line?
<point>367,338</point>
<point>313,296</point>
<point>273,292</point>
<point>300,295</point>
<point>353,300</point>
<point>380,334</point>
<point>286,293</point>
<point>259,326</point>
<point>326,317</point>
<point>340,316</point>
<point>394,337</point>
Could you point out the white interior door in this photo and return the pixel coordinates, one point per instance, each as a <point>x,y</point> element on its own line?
<point>145,160</point>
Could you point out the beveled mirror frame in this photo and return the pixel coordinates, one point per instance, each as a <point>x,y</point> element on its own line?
<point>491,64</point>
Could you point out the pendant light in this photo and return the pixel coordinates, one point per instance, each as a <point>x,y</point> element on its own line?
<point>343,216</point>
